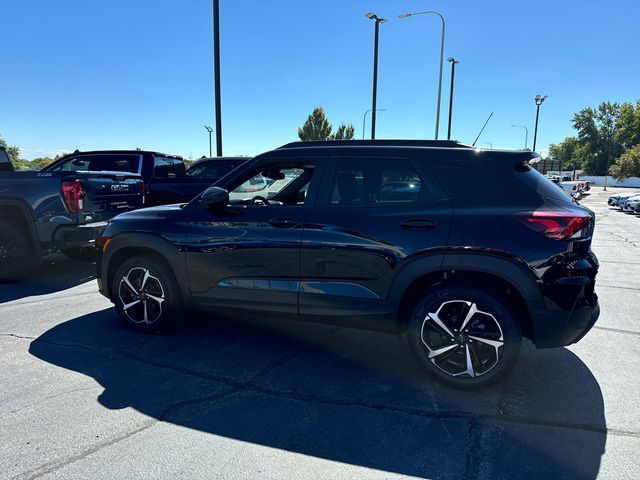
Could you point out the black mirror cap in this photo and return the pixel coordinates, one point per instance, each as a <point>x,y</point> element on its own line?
<point>215,197</point>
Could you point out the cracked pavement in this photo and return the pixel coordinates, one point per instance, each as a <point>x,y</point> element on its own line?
<point>82,396</point>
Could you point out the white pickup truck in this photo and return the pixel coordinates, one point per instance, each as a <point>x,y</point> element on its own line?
<point>573,188</point>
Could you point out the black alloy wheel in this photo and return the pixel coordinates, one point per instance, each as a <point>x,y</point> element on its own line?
<point>145,293</point>
<point>464,337</point>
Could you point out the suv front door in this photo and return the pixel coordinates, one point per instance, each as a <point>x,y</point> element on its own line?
<point>375,212</point>
<point>247,256</point>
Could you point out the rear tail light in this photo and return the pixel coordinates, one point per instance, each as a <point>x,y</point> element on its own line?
<point>143,192</point>
<point>556,225</point>
<point>73,195</point>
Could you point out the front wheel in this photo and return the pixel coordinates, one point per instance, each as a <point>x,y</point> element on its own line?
<point>145,293</point>
<point>464,337</point>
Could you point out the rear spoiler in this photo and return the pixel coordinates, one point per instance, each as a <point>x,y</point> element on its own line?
<point>5,163</point>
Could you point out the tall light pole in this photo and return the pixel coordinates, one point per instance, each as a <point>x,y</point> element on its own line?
<point>364,118</point>
<point>406,15</point>
<point>209,129</point>
<point>526,134</point>
<point>454,62</point>
<point>216,74</point>
<point>378,21</point>
<point>539,99</point>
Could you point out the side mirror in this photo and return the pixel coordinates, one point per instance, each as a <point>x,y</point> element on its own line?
<point>215,198</point>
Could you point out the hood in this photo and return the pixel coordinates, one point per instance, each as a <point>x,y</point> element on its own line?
<point>159,212</point>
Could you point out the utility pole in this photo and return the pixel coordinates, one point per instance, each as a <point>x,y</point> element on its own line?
<point>378,21</point>
<point>216,74</point>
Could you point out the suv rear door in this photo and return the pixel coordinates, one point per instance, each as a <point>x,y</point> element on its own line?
<point>375,212</point>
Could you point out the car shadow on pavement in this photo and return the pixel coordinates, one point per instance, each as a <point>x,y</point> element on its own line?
<point>340,394</point>
<point>54,273</point>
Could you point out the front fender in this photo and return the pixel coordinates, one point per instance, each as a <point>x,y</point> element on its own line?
<point>172,252</point>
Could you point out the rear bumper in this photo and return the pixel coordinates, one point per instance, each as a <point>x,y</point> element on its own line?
<point>70,236</point>
<point>570,305</point>
<point>561,328</point>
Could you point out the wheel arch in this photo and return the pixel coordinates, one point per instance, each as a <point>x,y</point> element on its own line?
<point>128,245</point>
<point>501,276</point>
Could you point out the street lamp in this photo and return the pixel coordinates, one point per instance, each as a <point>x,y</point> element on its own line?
<point>454,62</point>
<point>209,129</point>
<point>216,75</point>
<point>364,118</point>
<point>378,21</point>
<point>539,99</point>
<point>526,134</point>
<point>406,15</point>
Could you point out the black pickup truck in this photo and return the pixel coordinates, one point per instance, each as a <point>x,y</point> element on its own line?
<point>66,210</point>
<point>165,176</point>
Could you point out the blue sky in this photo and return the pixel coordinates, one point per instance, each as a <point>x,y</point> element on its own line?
<point>126,74</point>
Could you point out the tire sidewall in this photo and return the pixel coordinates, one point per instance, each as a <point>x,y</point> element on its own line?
<point>171,304</point>
<point>26,258</point>
<point>487,302</point>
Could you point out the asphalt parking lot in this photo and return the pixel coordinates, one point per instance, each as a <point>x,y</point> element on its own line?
<point>81,396</point>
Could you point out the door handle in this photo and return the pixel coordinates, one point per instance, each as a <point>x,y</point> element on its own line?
<point>283,222</point>
<point>418,224</point>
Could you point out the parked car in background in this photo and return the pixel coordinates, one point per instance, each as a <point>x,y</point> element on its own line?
<point>165,176</point>
<point>630,204</point>
<point>214,168</point>
<point>388,235</point>
<point>41,212</point>
<point>618,199</point>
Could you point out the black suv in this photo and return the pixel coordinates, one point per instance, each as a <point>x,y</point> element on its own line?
<point>462,249</point>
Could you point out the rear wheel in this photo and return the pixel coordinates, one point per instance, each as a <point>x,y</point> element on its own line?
<point>17,258</point>
<point>145,293</point>
<point>464,337</point>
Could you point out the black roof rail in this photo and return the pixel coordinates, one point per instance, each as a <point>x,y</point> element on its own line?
<point>378,143</point>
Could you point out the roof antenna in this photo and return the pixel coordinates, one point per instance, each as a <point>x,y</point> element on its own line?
<point>485,124</point>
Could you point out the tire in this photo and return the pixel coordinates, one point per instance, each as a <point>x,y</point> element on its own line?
<point>17,258</point>
<point>159,306</point>
<point>480,354</point>
<point>80,254</point>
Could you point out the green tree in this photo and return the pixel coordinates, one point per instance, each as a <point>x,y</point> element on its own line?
<point>629,125</point>
<point>39,163</point>
<point>344,132</point>
<point>598,136</point>
<point>628,165</point>
<point>318,127</point>
<point>566,153</point>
